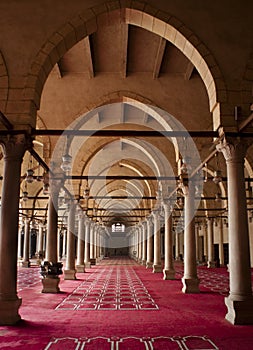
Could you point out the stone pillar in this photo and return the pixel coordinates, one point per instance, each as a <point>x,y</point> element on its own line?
<point>190,279</point>
<point>168,271</point>
<point>139,230</point>
<point>150,243</point>
<point>177,246</point>
<point>13,150</point>
<point>100,244</point>
<point>240,300</point>
<point>50,280</point>
<point>80,267</point>
<point>26,260</point>
<point>70,271</point>
<point>59,243</point>
<point>92,240</point>
<point>221,241</point>
<point>205,241</point>
<point>87,243</point>
<point>210,256</point>
<point>41,241</point>
<point>64,243</point>
<point>136,245</point>
<point>20,242</point>
<point>157,266</point>
<point>198,248</point>
<point>144,243</point>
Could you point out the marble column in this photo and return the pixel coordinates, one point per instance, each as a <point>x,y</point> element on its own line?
<point>198,247</point>
<point>168,271</point>
<point>140,229</point>
<point>190,279</point>
<point>92,246</point>
<point>80,267</point>
<point>13,148</point>
<point>27,236</point>
<point>20,242</point>
<point>221,241</point>
<point>70,271</point>
<point>59,243</point>
<point>50,281</point>
<point>87,243</point>
<point>136,238</point>
<point>240,300</point>
<point>177,246</point>
<point>205,241</point>
<point>144,243</point>
<point>41,241</point>
<point>64,244</point>
<point>150,243</point>
<point>157,266</point>
<point>210,246</point>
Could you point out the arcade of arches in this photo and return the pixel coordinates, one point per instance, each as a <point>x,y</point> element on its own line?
<point>126,129</point>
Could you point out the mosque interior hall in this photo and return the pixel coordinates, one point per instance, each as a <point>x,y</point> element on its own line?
<point>126,175</point>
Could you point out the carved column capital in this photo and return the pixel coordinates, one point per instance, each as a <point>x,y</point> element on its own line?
<point>14,146</point>
<point>233,149</point>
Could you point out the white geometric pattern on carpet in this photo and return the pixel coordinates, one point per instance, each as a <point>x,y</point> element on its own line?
<point>28,277</point>
<point>113,288</point>
<point>132,343</point>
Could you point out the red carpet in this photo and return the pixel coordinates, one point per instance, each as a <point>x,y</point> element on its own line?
<point>181,321</point>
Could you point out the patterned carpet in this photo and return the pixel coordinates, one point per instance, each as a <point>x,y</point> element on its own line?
<point>28,277</point>
<point>143,311</point>
<point>132,343</point>
<point>110,288</point>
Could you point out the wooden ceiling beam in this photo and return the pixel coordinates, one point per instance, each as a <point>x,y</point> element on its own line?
<point>159,58</point>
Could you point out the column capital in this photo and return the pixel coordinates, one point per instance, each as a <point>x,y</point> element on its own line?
<point>14,146</point>
<point>233,149</point>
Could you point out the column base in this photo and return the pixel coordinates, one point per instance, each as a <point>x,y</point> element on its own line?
<point>211,264</point>
<point>157,268</point>
<point>9,312</point>
<point>26,264</point>
<point>168,274</point>
<point>149,265</point>
<point>87,264</point>
<point>93,261</point>
<point>80,268</point>
<point>50,284</point>
<point>239,312</point>
<point>190,285</point>
<point>70,274</point>
<point>144,262</point>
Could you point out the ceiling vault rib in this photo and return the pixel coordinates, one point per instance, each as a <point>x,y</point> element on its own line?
<point>124,49</point>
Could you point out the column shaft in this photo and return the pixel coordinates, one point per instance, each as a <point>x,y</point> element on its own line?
<point>240,300</point>
<point>26,260</point>
<point>87,244</point>
<point>190,279</point>
<point>168,271</point>
<point>13,150</point>
<point>150,243</point>
<point>80,245</point>
<point>210,246</point>
<point>70,271</point>
<point>157,266</point>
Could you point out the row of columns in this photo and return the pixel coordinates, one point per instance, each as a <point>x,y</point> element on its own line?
<point>239,302</point>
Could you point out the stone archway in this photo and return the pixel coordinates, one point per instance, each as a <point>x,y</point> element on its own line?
<point>139,14</point>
